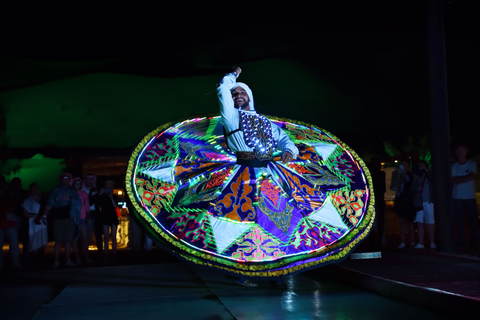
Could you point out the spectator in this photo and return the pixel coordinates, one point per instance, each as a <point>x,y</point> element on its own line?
<point>464,201</point>
<point>19,194</point>
<point>422,201</point>
<point>22,223</point>
<point>37,228</point>
<point>8,227</point>
<point>93,223</point>
<point>3,186</point>
<point>379,187</point>
<point>64,206</point>
<point>107,215</point>
<point>82,240</point>
<point>403,205</point>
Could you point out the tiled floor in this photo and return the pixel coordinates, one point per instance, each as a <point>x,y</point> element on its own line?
<point>178,291</point>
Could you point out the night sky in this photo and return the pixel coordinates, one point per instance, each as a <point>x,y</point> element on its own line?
<point>104,80</point>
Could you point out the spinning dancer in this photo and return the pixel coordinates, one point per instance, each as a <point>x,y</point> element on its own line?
<point>253,196</point>
<point>251,136</point>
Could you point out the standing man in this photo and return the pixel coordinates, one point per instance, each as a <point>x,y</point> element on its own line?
<point>252,137</point>
<point>463,174</point>
<point>64,205</point>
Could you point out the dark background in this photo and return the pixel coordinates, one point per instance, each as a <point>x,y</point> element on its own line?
<point>78,79</point>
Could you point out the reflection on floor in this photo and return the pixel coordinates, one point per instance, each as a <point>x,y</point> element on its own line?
<point>176,290</point>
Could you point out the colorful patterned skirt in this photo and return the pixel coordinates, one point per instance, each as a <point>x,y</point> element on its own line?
<point>187,191</point>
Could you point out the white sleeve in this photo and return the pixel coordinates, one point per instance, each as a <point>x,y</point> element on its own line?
<point>227,110</point>
<point>283,141</point>
<point>31,206</point>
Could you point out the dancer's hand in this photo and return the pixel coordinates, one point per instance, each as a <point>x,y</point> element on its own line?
<point>238,70</point>
<point>287,156</point>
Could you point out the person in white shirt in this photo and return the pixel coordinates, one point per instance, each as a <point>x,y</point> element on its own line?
<point>464,201</point>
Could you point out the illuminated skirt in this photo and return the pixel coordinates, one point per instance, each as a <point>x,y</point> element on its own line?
<point>187,191</point>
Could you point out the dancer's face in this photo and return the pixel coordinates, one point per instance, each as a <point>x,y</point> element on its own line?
<point>240,98</point>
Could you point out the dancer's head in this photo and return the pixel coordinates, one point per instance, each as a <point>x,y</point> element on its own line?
<point>242,97</point>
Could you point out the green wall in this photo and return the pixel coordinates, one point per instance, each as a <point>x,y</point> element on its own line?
<point>117,110</point>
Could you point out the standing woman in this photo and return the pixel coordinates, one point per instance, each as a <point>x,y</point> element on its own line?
<point>82,239</point>
<point>107,214</point>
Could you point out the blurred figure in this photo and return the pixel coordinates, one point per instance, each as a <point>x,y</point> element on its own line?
<point>379,187</point>
<point>3,186</point>
<point>81,242</point>
<point>64,206</point>
<point>422,202</point>
<point>22,223</point>
<point>90,187</point>
<point>403,204</point>
<point>464,201</point>
<point>37,228</point>
<point>107,215</point>
<point>8,227</point>
<point>19,194</point>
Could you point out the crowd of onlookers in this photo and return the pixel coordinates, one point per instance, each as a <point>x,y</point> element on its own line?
<point>413,203</point>
<point>76,207</point>
<point>68,215</point>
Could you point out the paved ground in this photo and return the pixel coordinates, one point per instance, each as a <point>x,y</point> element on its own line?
<point>174,290</point>
<point>408,283</point>
<point>449,284</point>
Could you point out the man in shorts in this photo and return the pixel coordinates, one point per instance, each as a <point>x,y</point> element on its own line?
<point>424,219</point>
<point>64,206</point>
